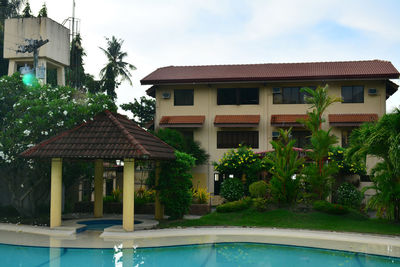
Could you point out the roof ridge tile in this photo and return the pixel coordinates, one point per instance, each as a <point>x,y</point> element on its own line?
<point>131,138</point>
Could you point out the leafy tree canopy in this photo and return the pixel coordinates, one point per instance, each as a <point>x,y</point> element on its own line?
<point>8,9</point>
<point>29,115</point>
<point>143,110</point>
<point>183,144</point>
<point>75,74</point>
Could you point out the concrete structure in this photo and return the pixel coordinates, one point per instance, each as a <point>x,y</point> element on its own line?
<point>210,115</point>
<point>53,55</point>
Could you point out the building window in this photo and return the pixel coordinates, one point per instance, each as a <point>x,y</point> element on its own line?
<point>346,137</point>
<point>237,96</point>
<point>290,95</point>
<point>232,139</point>
<point>353,94</point>
<point>302,138</point>
<point>183,97</point>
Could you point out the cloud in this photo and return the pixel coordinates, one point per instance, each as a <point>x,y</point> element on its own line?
<point>181,32</point>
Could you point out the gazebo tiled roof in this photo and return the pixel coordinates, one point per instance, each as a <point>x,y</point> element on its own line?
<point>107,136</point>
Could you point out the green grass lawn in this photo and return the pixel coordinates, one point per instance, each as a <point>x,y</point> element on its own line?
<point>282,218</point>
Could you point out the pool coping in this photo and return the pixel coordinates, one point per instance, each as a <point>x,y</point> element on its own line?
<point>354,242</point>
<point>71,227</point>
<point>66,237</point>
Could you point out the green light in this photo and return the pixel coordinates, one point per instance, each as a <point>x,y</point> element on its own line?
<point>28,79</point>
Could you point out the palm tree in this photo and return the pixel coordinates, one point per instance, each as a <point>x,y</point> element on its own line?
<point>116,67</point>
<point>381,140</point>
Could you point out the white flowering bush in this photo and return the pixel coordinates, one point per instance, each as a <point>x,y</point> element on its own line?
<point>29,115</point>
<point>348,195</point>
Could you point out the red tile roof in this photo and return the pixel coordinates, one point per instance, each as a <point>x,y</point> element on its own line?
<point>273,72</point>
<point>182,120</point>
<point>246,119</point>
<point>107,136</point>
<point>344,118</point>
<point>287,118</point>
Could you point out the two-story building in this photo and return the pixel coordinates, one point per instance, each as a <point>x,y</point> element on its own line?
<point>222,106</point>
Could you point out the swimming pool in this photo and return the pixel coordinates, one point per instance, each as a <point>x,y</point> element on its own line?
<point>218,254</point>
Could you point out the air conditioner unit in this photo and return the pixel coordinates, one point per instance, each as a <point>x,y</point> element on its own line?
<point>372,91</point>
<point>166,95</point>
<point>276,90</point>
<point>275,134</point>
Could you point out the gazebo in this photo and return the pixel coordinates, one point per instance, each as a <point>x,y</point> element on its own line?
<point>108,136</point>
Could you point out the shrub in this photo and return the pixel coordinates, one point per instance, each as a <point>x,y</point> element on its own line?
<point>235,205</point>
<point>232,189</point>
<point>285,166</point>
<point>115,196</point>
<point>347,165</point>
<point>201,196</point>
<point>143,196</point>
<point>260,204</point>
<point>348,195</point>
<point>8,211</point>
<point>258,189</point>
<point>325,206</point>
<point>107,199</point>
<point>175,184</point>
<point>242,163</point>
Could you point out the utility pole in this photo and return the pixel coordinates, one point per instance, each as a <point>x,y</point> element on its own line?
<point>32,46</point>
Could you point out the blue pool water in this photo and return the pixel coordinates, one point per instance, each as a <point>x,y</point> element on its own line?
<point>222,254</point>
<point>101,224</point>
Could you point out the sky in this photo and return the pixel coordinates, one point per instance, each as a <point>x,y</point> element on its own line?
<point>205,32</point>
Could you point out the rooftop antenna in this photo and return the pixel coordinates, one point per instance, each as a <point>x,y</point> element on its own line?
<point>73,19</point>
<point>73,22</point>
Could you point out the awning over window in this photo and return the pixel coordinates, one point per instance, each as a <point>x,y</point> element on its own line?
<point>234,121</point>
<point>287,120</point>
<point>182,121</point>
<point>351,119</point>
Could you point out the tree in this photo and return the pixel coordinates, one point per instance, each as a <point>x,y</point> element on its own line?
<point>27,12</point>
<point>8,9</point>
<point>29,115</point>
<point>92,86</point>
<point>319,175</point>
<point>285,169</point>
<point>381,140</point>
<point>116,67</point>
<point>143,110</point>
<point>75,74</point>
<point>183,144</point>
<point>175,184</point>
<point>43,11</point>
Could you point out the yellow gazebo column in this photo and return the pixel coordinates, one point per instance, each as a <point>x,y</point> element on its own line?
<point>55,192</point>
<point>128,211</point>
<point>159,208</point>
<point>98,188</point>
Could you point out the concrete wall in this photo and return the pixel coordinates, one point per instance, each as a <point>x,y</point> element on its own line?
<point>205,103</point>
<point>19,29</point>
